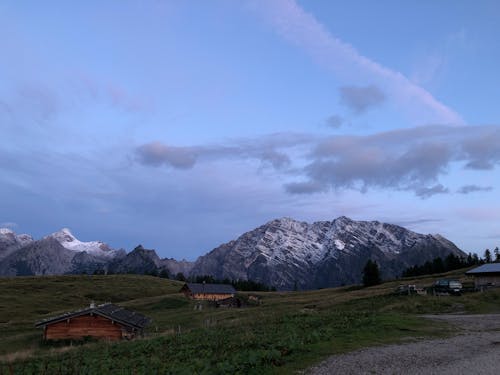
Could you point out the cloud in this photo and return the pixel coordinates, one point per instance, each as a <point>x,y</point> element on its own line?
<point>39,100</point>
<point>108,92</point>
<point>413,222</point>
<point>361,98</point>
<point>369,161</point>
<point>277,159</point>
<point>334,121</point>
<point>427,192</point>
<point>307,187</point>
<point>427,69</point>
<point>407,159</point>
<point>269,150</point>
<point>157,153</point>
<point>9,224</point>
<point>28,103</point>
<point>466,189</point>
<point>483,150</point>
<point>304,30</point>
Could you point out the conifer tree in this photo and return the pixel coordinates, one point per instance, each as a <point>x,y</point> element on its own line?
<point>487,256</point>
<point>371,274</point>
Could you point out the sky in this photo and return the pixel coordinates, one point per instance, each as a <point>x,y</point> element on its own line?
<point>180,125</point>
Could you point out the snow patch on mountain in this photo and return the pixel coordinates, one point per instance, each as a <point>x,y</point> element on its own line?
<point>340,245</point>
<point>10,241</point>
<point>70,242</point>
<point>285,252</point>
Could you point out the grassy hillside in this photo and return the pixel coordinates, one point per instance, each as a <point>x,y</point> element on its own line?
<point>26,300</point>
<point>286,331</point>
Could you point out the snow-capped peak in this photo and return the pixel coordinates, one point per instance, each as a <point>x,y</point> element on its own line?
<point>70,242</point>
<point>21,239</point>
<point>64,235</point>
<point>10,241</point>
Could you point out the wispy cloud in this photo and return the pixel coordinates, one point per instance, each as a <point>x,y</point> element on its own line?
<point>413,222</point>
<point>108,92</point>
<point>361,98</point>
<point>157,153</point>
<point>427,192</point>
<point>304,30</point>
<point>267,149</point>
<point>406,160</point>
<point>8,224</point>
<point>334,121</point>
<point>307,187</point>
<point>466,189</point>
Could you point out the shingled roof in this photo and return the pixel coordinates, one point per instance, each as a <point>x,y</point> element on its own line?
<point>107,310</point>
<point>485,268</point>
<point>210,288</point>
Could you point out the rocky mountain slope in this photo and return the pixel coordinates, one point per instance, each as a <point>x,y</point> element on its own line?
<point>286,253</point>
<point>95,248</point>
<point>283,253</point>
<point>57,253</point>
<point>10,241</point>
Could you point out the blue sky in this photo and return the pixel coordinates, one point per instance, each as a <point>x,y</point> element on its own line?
<point>181,125</point>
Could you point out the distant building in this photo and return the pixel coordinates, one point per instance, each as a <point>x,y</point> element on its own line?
<point>229,302</point>
<point>210,292</point>
<point>105,321</point>
<point>486,275</point>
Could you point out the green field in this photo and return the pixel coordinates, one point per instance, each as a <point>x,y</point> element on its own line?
<point>286,332</point>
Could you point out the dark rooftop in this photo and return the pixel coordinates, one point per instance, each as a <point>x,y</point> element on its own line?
<point>107,310</point>
<point>210,288</point>
<point>485,268</point>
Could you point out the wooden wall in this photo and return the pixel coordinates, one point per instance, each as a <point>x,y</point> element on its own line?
<point>211,297</point>
<point>485,280</point>
<point>82,326</point>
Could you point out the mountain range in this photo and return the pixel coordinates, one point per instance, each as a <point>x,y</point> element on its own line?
<point>283,253</point>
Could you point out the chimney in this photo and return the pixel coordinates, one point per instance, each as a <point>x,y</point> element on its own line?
<point>92,305</point>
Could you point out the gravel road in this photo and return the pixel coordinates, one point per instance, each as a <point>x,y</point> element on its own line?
<point>476,350</point>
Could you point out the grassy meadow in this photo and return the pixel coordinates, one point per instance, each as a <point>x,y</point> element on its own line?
<point>287,331</point>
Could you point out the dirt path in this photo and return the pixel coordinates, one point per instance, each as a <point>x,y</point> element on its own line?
<point>476,350</point>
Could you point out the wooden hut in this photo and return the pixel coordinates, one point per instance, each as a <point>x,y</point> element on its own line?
<point>210,292</point>
<point>486,275</point>
<point>106,321</point>
<point>229,302</point>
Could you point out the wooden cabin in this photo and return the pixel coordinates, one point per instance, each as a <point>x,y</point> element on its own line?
<point>107,321</point>
<point>487,275</point>
<point>209,292</point>
<point>230,302</point>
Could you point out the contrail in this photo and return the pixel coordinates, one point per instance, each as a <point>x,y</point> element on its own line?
<point>304,30</point>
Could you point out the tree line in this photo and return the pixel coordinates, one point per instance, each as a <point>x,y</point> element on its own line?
<point>371,272</point>
<point>240,285</point>
<point>452,262</point>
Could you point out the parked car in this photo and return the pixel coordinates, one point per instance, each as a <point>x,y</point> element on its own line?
<point>445,286</point>
<point>409,290</point>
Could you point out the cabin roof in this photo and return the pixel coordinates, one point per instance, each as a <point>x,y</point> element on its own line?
<point>107,310</point>
<point>485,268</point>
<point>199,288</point>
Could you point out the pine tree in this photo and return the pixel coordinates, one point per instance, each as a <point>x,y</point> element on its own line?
<point>487,256</point>
<point>497,254</point>
<point>180,276</point>
<point>371,274</point>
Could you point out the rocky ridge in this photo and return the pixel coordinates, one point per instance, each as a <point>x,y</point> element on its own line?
<point>287,253</point>
<point>284,253</point>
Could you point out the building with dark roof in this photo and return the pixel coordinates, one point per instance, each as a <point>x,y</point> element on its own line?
<point>106,321</point>
<point>486,275</point>
<point>210,292</point>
